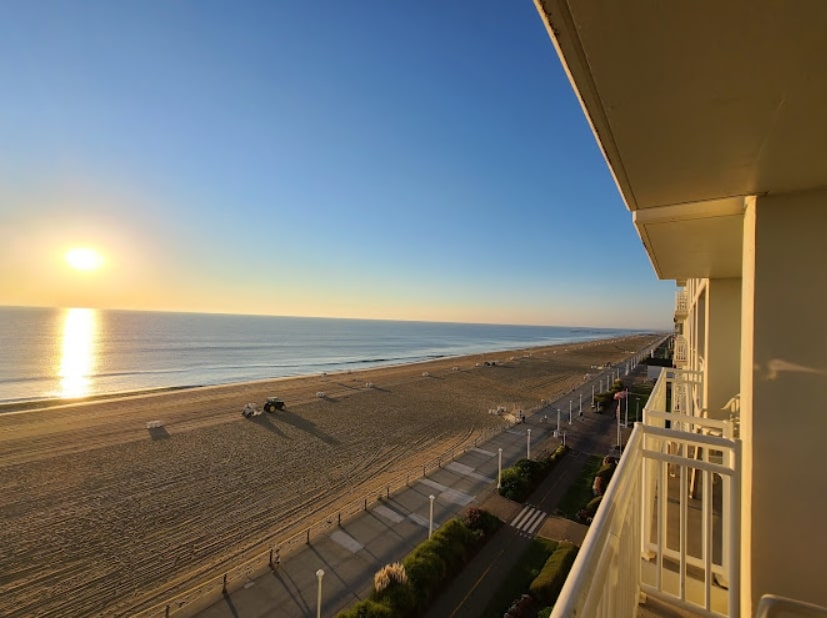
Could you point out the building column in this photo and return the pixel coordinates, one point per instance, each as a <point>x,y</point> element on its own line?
<point>783,393</point>
<point>723,346</point>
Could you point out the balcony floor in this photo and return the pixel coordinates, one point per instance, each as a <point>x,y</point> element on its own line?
<point>654,608</point>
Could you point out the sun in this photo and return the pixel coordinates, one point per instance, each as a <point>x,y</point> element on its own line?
<point>84,258</point>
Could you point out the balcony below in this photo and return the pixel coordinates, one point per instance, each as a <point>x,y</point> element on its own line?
<point>665,539</point>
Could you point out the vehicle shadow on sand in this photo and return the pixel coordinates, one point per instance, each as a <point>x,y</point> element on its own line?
<point>263,420</point>
<point>302,423</point>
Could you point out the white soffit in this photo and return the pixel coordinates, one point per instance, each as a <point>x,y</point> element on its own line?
<point>698,100</point>
<point>694,240</point>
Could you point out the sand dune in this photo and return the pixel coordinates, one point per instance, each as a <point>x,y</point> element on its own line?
<point>102,516</point>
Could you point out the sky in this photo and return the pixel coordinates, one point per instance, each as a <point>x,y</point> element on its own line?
<point>417,161</point>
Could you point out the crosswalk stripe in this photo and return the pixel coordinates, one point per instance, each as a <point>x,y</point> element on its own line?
<point>528,519</point>
<point>531,526</point>
<point>520,515</point>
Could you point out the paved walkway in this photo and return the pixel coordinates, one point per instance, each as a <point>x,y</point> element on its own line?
<point>352,553</point>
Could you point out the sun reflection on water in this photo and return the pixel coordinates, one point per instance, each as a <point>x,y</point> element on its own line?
<point>78,352</point>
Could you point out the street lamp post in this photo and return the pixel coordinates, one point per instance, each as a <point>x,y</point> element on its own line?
<point>500,469</point>
<point>528,444</point>
<point>431,516</point>
<point>319,575</point>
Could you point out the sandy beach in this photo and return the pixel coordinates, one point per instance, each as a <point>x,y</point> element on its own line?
<point>102,516</point>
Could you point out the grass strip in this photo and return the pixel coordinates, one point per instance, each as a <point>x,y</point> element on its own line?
<point>580,492</point>
<point>520,577</point>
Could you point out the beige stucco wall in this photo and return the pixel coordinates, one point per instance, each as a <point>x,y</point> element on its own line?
<point>723,344</point>
<point>784,397</point>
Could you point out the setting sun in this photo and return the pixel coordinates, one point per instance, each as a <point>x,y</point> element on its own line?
<point>84,258</point>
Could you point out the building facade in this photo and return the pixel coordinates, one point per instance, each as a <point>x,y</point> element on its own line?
<point>711,116</point>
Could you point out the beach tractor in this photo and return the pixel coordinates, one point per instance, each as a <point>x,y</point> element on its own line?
<point>272,404</point>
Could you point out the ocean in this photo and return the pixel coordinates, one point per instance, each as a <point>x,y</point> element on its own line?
<point>72,353</point>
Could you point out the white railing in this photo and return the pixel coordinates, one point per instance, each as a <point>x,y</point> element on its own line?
<point>668,525</point>
<point>681,303</point>
<point>774,606</point>
<point>604,580</point>
<point>691,524</point>
<point>681,353</point>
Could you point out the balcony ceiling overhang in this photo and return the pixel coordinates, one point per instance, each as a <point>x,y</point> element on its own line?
<point>697,105</point>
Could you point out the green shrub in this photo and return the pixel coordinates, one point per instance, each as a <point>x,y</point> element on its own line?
<point>451,542</point>
<point>603,400</point>
<point>591,508</point>
<point>426,570</point>
<point>545,612</point>
<point>402,590</point>
<point>518,481</point>
<point>513,485</point>
<point>392,589</point>
<point>549,582</point>
<point>602,478</point>
<point>367,609</point>
<point>529,468</point>
<point>558,454</point>
<point>482,523</point>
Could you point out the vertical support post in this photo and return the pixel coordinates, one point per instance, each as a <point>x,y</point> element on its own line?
<point>581,405</point>
<point>627,408</point>
<point>528,444</point>
<point>319,575</point>
<point>308,537</point>
<point>431,516</point>
<point>224,584</point>
<point>558,422</point>
<point>500,468</point>
<point>570,406</point>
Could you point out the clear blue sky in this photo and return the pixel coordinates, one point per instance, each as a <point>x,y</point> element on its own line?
<point>423,161</point>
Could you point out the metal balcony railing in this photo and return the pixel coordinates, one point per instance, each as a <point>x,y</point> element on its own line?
<point>668,526</point>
